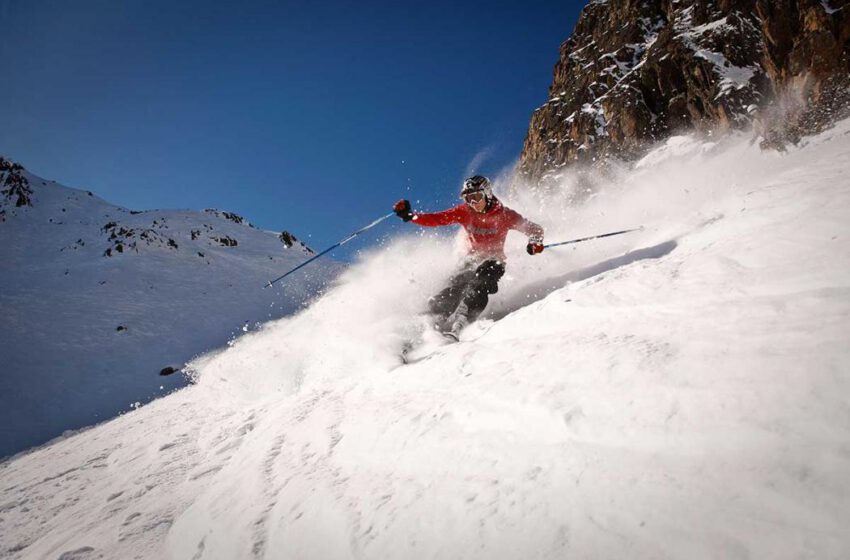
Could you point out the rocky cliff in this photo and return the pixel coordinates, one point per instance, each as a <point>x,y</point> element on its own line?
<point>635,71</point>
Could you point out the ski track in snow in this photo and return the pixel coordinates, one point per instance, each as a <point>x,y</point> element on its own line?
<point>678,393</point>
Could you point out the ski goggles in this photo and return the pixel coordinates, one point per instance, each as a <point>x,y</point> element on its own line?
<point>471,198</point>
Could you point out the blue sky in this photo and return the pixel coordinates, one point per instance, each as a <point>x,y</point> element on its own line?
<point>308,116</point>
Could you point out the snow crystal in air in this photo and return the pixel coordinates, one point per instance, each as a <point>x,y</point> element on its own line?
<point>829,10</point>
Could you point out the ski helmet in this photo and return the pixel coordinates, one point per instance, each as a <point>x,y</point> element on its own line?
<point>477,183</point>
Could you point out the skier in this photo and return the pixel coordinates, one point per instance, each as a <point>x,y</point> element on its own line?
<point>486,221</point>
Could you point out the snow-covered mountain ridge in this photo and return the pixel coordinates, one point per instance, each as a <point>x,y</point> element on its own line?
<point>97,299</point>
<point>681,392</point>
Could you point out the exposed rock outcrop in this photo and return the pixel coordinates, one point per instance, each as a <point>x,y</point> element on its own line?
<point>14,186</point>
<point>635,71</point>
<point>235,218</point>
<point>121,238</point>
<point>289,240</point>
<point>225,241</point>
<point>807,57</point>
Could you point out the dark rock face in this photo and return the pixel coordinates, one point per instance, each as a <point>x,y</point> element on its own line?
<point>807,57</point>
<point>121,238</point>
<point>235,218</point>
<point>225,241</point>
<point>289,240</point>
<point>168,370</point>
<point>635,71</point>
<point>14,187</point>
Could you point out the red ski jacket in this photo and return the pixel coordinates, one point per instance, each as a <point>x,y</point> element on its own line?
<point>486,230</point>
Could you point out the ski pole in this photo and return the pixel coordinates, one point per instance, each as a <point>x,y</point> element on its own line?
<point>329,249</point>
<point>579,240</point>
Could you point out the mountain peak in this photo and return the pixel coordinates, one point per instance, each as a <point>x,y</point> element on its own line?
<point>633,73</point>
<point>76,268</point>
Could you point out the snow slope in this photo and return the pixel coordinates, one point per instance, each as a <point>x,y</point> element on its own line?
<point>97,299</point>
<point>683,392</point>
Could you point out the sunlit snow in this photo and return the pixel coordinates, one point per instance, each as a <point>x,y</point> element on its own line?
<point>680,392</point>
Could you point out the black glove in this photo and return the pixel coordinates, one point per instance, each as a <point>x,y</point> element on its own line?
<point>402,210</point>
<point>534,247</point>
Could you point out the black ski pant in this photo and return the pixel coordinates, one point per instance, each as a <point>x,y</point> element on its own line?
<point>472,286</point>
